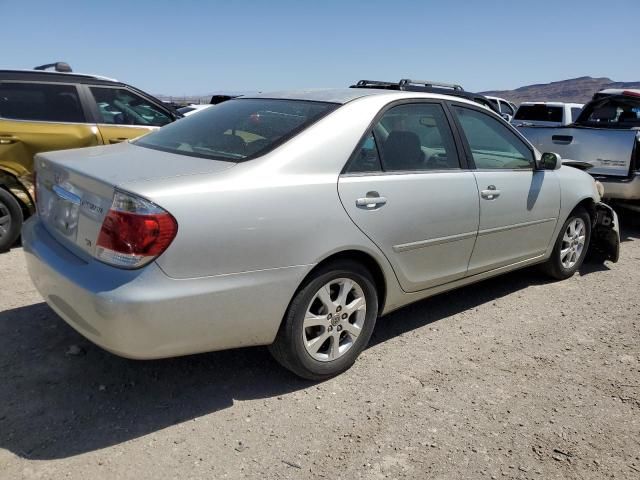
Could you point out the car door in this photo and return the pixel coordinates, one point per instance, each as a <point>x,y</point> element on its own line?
<point>519,205</point>
<point>406,188</point>
<point>38,117</point>
<point>122,114</point>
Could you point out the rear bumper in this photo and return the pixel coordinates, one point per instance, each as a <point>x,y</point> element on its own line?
<point>145,314</point>
<point>621,188</point>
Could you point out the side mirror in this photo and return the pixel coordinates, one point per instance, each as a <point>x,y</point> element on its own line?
<point>550,161</point>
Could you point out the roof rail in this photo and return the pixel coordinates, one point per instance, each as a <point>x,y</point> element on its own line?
<point>430,84</point>
<point>62,67</point>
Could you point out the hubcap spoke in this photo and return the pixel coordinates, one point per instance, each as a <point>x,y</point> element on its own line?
<point>352,329</point>
<point>4,219</point>
<point>324,295</point>
<point>314,345</point>
<point>357,304</point>
<point>345,288</point>
<point>312,320</point>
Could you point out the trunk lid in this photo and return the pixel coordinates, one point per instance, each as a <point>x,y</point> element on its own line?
<point>75,187</point>
<point>609,150</point>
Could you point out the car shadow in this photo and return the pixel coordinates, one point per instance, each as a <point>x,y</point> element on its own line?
<point>62,396</point>
<point>629,225</point>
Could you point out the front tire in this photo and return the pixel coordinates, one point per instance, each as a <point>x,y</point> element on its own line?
<point>10,220</point>
<point>329,322</point>
<point>571,246</point>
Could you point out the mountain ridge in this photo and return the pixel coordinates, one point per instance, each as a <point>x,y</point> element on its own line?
<point>577,90</point>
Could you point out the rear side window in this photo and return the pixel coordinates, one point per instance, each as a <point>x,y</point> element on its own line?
<point>237,130</point>
<point>415,137</point>
<point>539,113</point>
<point>612,112</point>
<point>119,106</point>
<point>493,145</point>
<point>40,102</point>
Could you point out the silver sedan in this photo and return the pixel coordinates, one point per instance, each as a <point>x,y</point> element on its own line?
<point>296,219</point>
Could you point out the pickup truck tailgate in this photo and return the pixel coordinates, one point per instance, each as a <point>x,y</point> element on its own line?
<point>608,150</point>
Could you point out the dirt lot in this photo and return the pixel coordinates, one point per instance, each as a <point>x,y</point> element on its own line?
<point>515,377</point>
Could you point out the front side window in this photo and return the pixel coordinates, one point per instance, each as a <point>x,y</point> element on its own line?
<point>414,137</point>
<point>493,145</point>
<point>119,106</point>
<point>237,130</point>
<point>44,102</point>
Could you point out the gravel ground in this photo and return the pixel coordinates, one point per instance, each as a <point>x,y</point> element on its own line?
<point>514,377</point>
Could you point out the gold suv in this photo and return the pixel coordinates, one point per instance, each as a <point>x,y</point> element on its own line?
<point>55,110</point>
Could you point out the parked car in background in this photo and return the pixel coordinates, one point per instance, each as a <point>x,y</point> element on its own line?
<point>44,110</point>
<point>506,108</point>
<point>546,114</point>
<point>605,138</point>
<point>295,219</point>
<point>193,108</point>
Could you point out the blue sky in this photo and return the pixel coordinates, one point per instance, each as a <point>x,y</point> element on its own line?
<point>199,47</point>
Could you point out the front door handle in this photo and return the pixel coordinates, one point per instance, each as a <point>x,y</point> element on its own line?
<point>7,140</point>
<point>372,201</point>
<point>118,140</point>
<point>491,193</point>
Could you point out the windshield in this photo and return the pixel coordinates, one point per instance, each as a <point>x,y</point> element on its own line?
<point>539,113</point>
<point>237,130</point>
<point>612,112</point>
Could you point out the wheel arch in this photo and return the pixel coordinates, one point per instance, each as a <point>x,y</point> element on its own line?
<point>21,188</point>
<point>365,259</point>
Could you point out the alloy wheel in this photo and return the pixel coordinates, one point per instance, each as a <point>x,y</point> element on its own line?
<point>573,243</point>
<point>334,319</point>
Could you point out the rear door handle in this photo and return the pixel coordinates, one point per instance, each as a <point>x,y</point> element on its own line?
<point>118,140</point>
<point>491,193</point>
<point>372,201</point>
<point>562,139</point>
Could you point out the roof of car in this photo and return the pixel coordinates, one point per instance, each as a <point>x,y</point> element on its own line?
<point>46,76</point>
<point>618,91</point>
<point>553,104</point>
<point>342,95</point>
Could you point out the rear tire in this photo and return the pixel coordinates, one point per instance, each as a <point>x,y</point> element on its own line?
<point>571,246</point>
<point>11,219</point>
<point>329,321</point>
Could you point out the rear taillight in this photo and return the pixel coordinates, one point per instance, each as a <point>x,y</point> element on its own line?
<point>134,232</point>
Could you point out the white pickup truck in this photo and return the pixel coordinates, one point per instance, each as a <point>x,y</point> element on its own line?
<point>605,139</point>
<point>546,114</point>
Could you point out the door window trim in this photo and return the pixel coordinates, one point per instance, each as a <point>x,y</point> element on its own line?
<point>450,104</point>
<point>461,153</point>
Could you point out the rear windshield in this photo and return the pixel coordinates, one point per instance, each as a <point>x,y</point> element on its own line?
<point>612,112</point>
<point>539,113</point>
<point>237,130</point>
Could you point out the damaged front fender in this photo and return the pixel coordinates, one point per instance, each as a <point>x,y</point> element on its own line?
<point>605,233</point>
